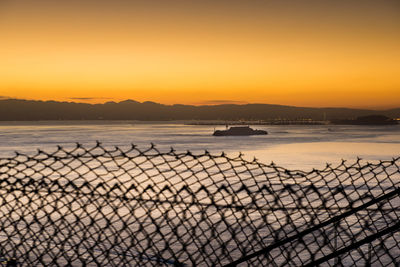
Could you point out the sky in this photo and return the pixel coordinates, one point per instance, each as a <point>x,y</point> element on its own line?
<point>301,53</point>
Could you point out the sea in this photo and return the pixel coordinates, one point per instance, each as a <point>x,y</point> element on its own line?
<point>303,147</point>
<point>294,147</point>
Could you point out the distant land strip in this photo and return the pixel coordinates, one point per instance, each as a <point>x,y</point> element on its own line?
<point>29,110</point>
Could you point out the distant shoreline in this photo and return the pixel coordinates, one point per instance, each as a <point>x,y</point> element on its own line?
<point>272,122</point>
<point>178,122</point>
<point>28,110</point>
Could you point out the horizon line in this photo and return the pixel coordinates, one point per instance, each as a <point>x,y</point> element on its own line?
<point>195,104</point>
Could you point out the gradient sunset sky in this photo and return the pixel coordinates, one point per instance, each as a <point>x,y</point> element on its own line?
<point>302,53</point>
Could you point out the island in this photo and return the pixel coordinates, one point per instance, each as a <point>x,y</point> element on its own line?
<point>367,120</point>
<point>239,131</point>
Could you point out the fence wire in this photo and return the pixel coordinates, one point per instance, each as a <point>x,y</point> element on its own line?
<point>98,206</point>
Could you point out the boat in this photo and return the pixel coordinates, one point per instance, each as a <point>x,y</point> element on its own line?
<point>238,131</point>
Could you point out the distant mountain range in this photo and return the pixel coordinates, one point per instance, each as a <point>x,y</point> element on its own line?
<point>27,110</point>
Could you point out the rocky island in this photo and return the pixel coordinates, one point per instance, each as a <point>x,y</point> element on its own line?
<point>239,130</point>
<point>368,120</point>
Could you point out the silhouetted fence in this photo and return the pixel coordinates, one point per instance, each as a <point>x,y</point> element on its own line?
<point>96,206</point>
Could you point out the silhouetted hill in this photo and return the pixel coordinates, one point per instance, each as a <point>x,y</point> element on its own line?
<point>13,109</point>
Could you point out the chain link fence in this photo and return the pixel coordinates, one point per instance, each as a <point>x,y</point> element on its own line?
<point>98,206</point>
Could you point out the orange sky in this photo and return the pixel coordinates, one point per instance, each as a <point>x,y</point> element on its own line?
<point>313,53</point>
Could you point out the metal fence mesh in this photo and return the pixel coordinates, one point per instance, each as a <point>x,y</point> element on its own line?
<point>97,206</point>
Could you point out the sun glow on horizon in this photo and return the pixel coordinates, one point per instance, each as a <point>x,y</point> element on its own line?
<point>339,55</point>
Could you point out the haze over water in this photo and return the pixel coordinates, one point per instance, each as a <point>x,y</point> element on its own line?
<point>293,147</point>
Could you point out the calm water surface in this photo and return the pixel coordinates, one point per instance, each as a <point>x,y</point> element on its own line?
<point>293,147</point>
<point>303,147</point>
<point>289,146</point>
